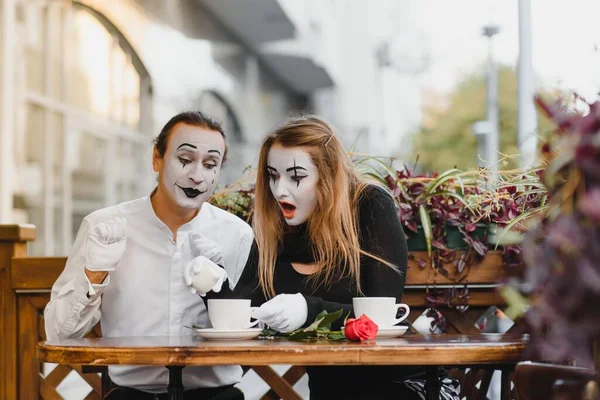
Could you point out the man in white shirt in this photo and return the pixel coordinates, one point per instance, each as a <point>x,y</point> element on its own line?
<point>126,268</point>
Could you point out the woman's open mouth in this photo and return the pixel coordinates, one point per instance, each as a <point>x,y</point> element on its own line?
<point>288,210</point>
<point>191,193</point>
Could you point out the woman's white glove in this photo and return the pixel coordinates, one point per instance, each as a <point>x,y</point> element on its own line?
<point>105,245</point>
<point>284,312</point>
<point>202,275</point>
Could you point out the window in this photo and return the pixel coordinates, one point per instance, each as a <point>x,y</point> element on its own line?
<point>83,132</point>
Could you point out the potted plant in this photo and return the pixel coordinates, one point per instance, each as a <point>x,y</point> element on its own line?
<point>562,251</point>
<point>237,197</point>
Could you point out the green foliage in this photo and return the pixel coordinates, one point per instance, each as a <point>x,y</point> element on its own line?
<point>237,197</point>
<point>319,329</point>
<point>449,140</point>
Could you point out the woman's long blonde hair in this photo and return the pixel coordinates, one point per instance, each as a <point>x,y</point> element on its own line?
<point>332,226</point>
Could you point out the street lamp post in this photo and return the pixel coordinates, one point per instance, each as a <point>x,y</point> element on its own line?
<point>492,143</point>
<point>527,119</point>
<point>482,130</point>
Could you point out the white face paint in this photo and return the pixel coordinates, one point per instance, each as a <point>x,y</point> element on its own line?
<point>293,182</point>
<point>190,168</point>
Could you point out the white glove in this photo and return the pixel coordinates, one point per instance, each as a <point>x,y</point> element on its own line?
<point>202,246</point>
<point>203,275</point>
<point>284,312</point>
<point>105,245</point>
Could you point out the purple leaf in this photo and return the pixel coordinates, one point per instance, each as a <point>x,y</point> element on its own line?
<point>439,245</point>
<point>412,225</point>
<point>461,263</point>
<point>589,204</point>
<point>480,248</point>
<point>470,227</point>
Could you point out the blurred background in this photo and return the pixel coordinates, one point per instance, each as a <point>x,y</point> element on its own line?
<point>434,84</point>
<point>87,85</point>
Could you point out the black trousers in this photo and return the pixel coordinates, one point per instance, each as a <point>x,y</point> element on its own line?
<point>412,389</point>
<point>218,393</point>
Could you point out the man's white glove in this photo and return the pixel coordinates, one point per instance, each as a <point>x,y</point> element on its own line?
<point>284,312</point>
<point>202,246</point>
<point>105,245</point>
<point>202,275</point>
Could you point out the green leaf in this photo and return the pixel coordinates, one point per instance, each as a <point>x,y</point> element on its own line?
<point>376,177</point>
<point>336,336</point>
<point>389,170</point>
<point>271,332</point>
<point>316,322</point>
<point>327,319</point>
<point>562,160</point>
<point>302,335</point>
<point>355,141</point>
<point>320,328</point>
<point>499,239</point>
<point>346,317</point>
<point>443,177</point>
<point>370,170</point>
<point>454,195</point>
<point>462,186</point>
<point>517,304</point>
<point>532,191</point>
<point>426,223</point>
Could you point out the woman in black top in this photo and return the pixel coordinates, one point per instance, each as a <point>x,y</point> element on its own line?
<point>323,236</point>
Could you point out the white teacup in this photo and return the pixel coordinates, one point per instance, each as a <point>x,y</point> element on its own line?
<point>230,314</point>
<point>381,310</point>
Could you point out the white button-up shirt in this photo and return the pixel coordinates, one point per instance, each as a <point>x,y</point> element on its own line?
<point>146,294</point>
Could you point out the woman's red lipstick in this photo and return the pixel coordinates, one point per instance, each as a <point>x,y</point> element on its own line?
<point>288,210</point>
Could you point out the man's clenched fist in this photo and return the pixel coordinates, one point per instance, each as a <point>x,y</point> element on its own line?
<point>106,244</point>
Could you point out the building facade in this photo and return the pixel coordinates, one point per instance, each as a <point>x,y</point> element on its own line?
<point>93,82</point>
<point>87,84</point>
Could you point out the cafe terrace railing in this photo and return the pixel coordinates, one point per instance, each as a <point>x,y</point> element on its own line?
<point>25,284</point>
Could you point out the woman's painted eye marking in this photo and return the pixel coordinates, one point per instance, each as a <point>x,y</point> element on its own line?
<point>297,178</point>
<point>272,172</point>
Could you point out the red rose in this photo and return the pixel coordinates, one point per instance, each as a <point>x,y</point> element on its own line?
<point>359,329</point>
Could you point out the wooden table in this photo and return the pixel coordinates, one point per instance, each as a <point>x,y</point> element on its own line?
<point>175,353</point>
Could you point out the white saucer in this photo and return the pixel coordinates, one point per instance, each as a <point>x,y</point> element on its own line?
<point>391,332</point>
<point>228,334</point>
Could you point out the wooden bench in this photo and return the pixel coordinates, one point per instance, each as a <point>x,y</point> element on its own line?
<point>25,284</point>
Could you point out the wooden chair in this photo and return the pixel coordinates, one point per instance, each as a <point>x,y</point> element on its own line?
<point>575,390</point>
<point>539,381</point>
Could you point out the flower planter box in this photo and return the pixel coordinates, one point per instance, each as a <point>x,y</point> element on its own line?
<point>489,271</point>
<point>455,239</point>
<point>416,241</point>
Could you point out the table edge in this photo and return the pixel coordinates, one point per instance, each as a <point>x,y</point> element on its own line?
<point>199,356</point>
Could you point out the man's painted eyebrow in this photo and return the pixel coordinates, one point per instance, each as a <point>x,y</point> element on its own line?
<point>296,168</point>
<point>187,144</point>
<point>214,151</point>
<point>271,168</point>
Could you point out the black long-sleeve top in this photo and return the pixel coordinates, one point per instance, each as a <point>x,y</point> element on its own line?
<point>380,234</point>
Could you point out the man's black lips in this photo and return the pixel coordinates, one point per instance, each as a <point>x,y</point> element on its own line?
<point>191,193</point>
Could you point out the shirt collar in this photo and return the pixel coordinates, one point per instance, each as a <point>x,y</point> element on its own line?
<point>202,216</point>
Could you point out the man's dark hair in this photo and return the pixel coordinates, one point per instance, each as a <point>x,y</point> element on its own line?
<point>195,118</point>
